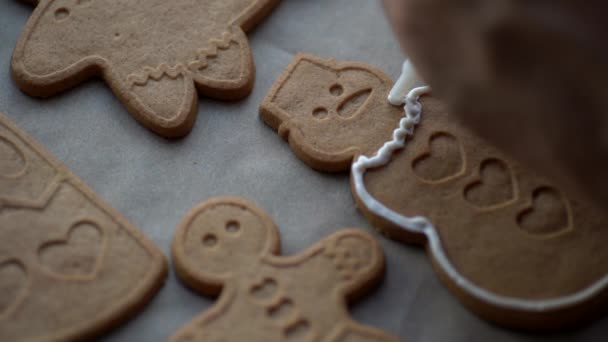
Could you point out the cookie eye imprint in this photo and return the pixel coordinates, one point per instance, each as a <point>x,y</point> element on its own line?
<point>209,240</point>
<point>320,113</point>
<point>61,14</point>
<point>233,227</point>
<point>336,90</point>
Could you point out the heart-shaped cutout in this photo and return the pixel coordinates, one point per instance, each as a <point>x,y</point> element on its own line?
<point>494,187</point>
<point>548,213</point>
<point>13,285</point>
<point>78,256</point>
<point>442,161</point>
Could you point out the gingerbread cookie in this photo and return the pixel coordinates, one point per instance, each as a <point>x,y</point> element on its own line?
<point>319,105</point>
<point>511,245</point>
<point>231,247</point>
<point>70,266</point>
<point>154,55</point>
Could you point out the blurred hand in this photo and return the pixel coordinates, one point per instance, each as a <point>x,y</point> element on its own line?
<point>531,77</point>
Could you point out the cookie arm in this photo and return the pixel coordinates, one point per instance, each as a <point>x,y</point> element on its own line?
<point>351,256</point>
<point>358,258</point>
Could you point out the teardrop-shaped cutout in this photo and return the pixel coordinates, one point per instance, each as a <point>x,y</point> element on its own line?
<point>12,160</point>
<point>351,104</point>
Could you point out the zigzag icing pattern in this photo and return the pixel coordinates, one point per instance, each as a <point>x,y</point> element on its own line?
<point>179,69</point>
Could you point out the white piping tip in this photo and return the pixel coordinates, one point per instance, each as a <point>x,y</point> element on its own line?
<point>404,84</point>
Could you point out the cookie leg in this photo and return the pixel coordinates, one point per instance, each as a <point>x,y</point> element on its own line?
<point>164,101</point>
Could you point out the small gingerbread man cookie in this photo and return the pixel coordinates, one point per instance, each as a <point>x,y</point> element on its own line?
<point>231,247</point>
<point>513,246</point>
<point>154,54</point>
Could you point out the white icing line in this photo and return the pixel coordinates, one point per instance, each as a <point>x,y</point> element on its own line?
<point>405,82</point>
<point>418,224</point>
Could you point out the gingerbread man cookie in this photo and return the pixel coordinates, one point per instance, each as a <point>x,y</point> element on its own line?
<point>511,245</point>
<point>154,54</point>
<point>70,266</point>
<point>319,105</point>
<point>231,247</point>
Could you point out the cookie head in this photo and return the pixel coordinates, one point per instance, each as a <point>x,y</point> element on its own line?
<point>220,238</point>
<point>315,89</point>
<point>330,111</point>
<point>55,40</point>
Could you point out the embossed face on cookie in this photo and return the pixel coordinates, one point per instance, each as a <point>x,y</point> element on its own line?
<point>338,109</point>
<point>225,239</point>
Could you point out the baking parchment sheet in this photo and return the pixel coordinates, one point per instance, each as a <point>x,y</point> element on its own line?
<point>154,181</point>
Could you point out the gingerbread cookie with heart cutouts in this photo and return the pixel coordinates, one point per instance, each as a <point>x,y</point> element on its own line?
<point>511,245</point>
<point>154,54</point>
<point>228,246</point>
<point>70,266</point>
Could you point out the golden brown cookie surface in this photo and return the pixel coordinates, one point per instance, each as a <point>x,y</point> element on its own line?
<point>520,243</point>
<point>70,266</point>
<point>154,55</point>
<point>330,111</point>
<point>229,246</point>
<point>510,244</point>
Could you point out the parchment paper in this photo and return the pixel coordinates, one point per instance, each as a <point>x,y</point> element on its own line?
<point>153,181</point>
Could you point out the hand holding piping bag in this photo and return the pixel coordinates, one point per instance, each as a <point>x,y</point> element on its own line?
<point>530,84</point>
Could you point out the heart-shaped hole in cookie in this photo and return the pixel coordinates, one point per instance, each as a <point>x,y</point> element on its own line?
<point>13,285</point>
<point>495,185</point>
<point>77,256</point>
<point>548,213</point>
<point>442,161</point>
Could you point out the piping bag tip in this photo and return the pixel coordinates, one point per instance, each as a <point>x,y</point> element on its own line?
<point>404,84</point>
